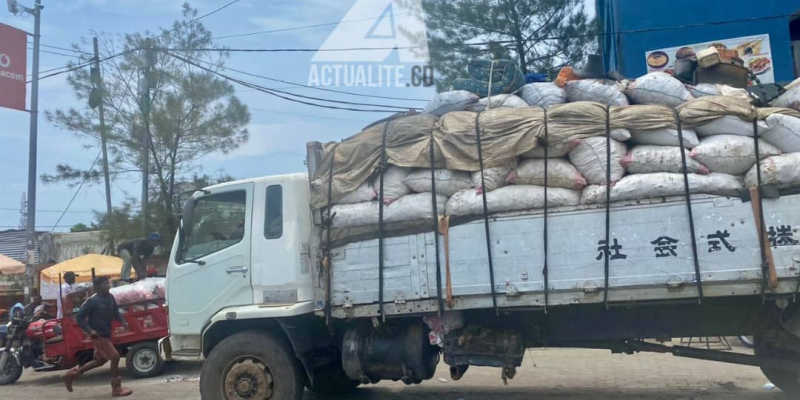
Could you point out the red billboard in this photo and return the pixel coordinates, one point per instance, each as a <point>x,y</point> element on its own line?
<point>13,58</point>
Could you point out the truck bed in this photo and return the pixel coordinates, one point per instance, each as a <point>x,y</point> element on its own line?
<point>650,257</point>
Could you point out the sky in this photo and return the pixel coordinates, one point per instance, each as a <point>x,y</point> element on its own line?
<point>278,129</point>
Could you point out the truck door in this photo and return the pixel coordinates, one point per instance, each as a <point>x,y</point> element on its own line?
<point>212,262</point>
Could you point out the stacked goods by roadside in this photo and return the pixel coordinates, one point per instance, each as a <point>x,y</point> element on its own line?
<point>648,138</point>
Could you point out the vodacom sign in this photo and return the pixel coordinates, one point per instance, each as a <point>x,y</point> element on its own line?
<point>13,67</point>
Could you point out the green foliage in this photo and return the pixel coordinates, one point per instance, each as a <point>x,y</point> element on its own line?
<point>542,35</point>
<point>192,113</point>
<point>81,227</point>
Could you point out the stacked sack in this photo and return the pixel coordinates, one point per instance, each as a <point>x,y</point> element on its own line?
<point>645,162</point>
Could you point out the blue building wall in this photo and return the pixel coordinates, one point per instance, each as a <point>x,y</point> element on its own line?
<point>631,15</point>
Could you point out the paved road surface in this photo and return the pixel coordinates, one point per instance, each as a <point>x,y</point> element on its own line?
<point>545,374</point>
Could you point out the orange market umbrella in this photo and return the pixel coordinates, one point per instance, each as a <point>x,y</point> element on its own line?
<point>10,266</point>
<point>82,266</point>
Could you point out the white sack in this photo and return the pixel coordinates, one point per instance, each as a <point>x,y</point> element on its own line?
<point>783,132</point>
<point>598,90</point>
<point>363,193</point>
<point>782,171</point>
<point>731,154</point>
<point>665,137</point>
<point>619,134</point>
<point>658,88</point>
<point>494,177</point>
<point>555,151</point>
<point>499,101</point>
<point>543,94</point>
<point>412,207</point>
<point>447,181</point>
<point>790,99</point>
<point>454,100</point>
<point>560,173</point>
<point>662,184</point>
<point>590,159</point>
<point>730,125</point>
<point>511,198</point>
<point>393,186</point>
<point>648,159</point>
<point>703,89</point>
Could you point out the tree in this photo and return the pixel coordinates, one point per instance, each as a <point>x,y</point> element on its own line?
<point>81,227</point>
<point>192,112</point>
<point>542,35</point>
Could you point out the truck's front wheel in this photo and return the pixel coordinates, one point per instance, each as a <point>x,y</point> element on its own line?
<point>251,365</point>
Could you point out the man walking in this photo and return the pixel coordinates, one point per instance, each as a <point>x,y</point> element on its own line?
<point>95,317</point>
<point>133,254</point>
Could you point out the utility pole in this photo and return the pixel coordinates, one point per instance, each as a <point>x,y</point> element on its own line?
<point>145,106</point>
<point>97,77</point>
<point>30,242</point>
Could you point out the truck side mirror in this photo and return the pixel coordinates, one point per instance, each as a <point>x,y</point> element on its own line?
<point>187,217</point>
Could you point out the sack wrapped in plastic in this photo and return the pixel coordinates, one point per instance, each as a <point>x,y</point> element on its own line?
<point>560,173</point>
<point>703,90</point>
<point>555,151</point>
<point>543,94</point>
<point>499,101</point>
<point>590,159</point>
<point>447,181</point>
<point>648,159</point>
<point>662,184</point>
<point>790,99</point>
<point>412,207</point>
<point>494,177</point>
<point>731,154</point>
<point>365,192</point>
<point>665,137</point>
<point>454,100</point>
<point>782,171</point>
<point>598,90</point>
<point>730,125</point>
<point>148,289</point>
<point>393,185</point>
<point>783,132</point>
<point>658,88</point>
<point>510,198</point>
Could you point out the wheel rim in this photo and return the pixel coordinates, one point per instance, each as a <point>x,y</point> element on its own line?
<point>145,360</point>
<point>248,378</point>
<point>11,367</point>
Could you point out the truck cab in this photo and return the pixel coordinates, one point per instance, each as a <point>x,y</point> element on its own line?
<point>242,254</point>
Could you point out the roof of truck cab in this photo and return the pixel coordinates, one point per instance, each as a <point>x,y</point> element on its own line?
<point>262,179</point>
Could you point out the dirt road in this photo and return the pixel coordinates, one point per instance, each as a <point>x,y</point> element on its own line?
<point>545,374</point>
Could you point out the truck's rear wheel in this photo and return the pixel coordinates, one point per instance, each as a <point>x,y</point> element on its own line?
<point>11,372</point>
<point>786,380</point>
<point>143,360</point>
<point>251,366</point>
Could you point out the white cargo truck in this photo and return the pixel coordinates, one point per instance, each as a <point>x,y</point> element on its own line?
<point>275,299</point>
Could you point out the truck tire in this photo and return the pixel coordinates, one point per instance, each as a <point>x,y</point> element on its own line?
<point>12,371</point>
<point>332,380</point>
<point>252,365</point>
<point>143,360</point>
<point>787,381</point>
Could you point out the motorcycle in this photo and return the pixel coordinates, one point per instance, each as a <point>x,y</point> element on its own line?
<point>20,347</point>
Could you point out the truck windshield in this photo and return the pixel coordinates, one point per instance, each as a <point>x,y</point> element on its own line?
<point>219,223</point>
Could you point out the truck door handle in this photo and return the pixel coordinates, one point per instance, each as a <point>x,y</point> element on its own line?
<point>233,270</point>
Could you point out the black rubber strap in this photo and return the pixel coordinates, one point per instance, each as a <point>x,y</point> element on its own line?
<point>329,223</point>
<point>544,234</point>
<point>607,252</point>
<point>381,169</point>
<point>698,276</point>
<point>485,212</point>
<point>439,297</point>
<point>762,245</point>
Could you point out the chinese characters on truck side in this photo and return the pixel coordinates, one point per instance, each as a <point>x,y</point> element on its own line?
<point>665,246</point>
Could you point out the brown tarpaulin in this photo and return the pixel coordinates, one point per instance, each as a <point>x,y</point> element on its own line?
<point>505,134</point>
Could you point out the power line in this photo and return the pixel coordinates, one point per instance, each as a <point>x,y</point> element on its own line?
<point>65,49</point>
<point>283,95</point>
<point>269,110</point>
<point>57,53</point>
<point>456,45</point>
<point>78,190</point>
<point>208,14</point>
<point>68,69</point>
<point>50,211</point>
<point>311,87</point>
<point>301,27</point>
